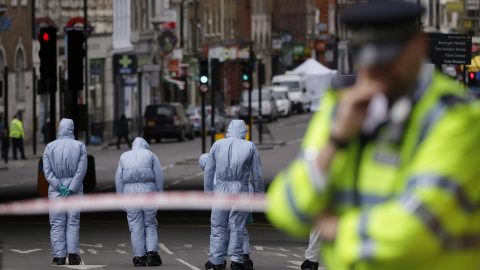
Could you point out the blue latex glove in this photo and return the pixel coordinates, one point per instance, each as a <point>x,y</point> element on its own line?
<point>64,192</point>
<point>249,218</point>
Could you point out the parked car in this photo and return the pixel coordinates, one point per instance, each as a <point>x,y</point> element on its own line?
<point>167,120</point>
<point>195,116</point>
<point>269,107</point>
<point>284,105</point>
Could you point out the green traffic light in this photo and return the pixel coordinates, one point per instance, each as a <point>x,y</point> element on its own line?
<point>203,79</point>
<point>245,77</point>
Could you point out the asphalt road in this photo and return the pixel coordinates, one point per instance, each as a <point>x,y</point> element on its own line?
<point>183,235</point>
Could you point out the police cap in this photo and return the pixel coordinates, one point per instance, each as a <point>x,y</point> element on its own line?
<point>380,29</point>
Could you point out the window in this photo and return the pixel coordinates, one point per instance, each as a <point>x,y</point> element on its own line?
<point>14,3</point>
<point>23,3</point>
<point>20,76</point>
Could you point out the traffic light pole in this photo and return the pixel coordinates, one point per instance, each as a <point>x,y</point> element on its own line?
<point>5,97</point>
<point>85,29</point>
<point>204,143</point>
<point>260,118</point>
<point>52,87</point>
<point>34,111</point>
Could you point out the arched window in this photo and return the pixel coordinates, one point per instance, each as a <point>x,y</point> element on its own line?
<point>20,75</point>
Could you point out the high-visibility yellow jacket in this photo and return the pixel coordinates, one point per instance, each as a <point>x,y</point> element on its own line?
<point>16,129</point>
<point>408,205</point>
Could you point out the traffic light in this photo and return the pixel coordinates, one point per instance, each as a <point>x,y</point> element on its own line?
<point>245,76</point>
<point>472,79</point>
<point>203,75</point>
<point>48,59</point>
<point>76,53</point>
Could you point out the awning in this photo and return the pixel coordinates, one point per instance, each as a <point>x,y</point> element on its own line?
<point>179,84</point>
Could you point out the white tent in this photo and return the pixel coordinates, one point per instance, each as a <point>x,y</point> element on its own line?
<point>317,79</point>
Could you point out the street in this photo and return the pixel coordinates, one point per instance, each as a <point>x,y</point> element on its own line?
<point>183,235</point>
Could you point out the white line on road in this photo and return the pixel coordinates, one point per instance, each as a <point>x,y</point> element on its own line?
<point>188,245</point>
<point>119,251</point>
<point>292,267</point>
<point>25,251</point>
<point>124,245</point>
<point>193,267</point>
<point>7,185</point>
<point>82,267</point>
<point>80,251</point>
<point>293,141</point>
<point>277,254</point>
<point>296,255</point>
<point>98,245</point>
<point>175,182</point>
<point>259,248</point>
<point>168,167</point>
<point>164,248</point>
<point>92,251</point>
<point>297,263</point>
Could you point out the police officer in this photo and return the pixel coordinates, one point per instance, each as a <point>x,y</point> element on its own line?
<point>17,134</point>
<point>389,168</point>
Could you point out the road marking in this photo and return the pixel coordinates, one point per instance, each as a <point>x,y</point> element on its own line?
<point>9,185</point>
<point>275,254</point>
<point>259,248</point>
<point>189,265</point>
<point>168,167</point>
<point>292,267</point>
<point>296,255</point>
<point>164,248</point>
<point>188,245</point>
<point>92,251</point>
<point>25,251</point>
<point>175,182</point>
<point>98,245</point>
<point>82,267</point>
<point>123,252</point>
<point>297,263</point>
<point>81,251</point>
<point>124,245</point>
<point>294,141</point>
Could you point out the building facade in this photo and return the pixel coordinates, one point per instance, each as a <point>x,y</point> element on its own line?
<point>16,55</point>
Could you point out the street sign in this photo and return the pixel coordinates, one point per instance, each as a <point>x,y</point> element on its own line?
<point>450,49</point>
<point>167,41</point>
<point>473,4</point>
<point>125,64</point>
<point>204,88</point>
<point>455,6</point>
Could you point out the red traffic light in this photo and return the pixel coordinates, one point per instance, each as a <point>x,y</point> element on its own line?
<point>45,37</point>
<point>471,76</point>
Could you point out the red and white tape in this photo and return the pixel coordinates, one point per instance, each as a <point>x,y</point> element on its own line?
<point>161,201</point>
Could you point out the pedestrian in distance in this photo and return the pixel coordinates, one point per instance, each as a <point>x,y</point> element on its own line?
<point>122,131</point>
<point>64,166</point>
<point>246,237</point>
<point>5,142</point>
<point>388,169</point>
<point>46,131</point>
<point>139,171</point>
<point>230,165</point>
<point>16,135</point>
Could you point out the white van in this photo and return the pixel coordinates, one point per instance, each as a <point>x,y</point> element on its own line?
<point>284,105</point>
<point>297,91</point>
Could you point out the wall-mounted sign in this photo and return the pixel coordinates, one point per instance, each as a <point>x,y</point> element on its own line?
<point>450,49</point>
<point>124,64</point>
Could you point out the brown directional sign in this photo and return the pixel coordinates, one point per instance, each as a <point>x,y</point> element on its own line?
<point>450,49</point>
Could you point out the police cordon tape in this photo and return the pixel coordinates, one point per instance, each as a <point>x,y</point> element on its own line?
<point>162,201</point>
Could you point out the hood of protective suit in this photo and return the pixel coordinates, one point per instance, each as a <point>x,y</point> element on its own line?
<point>237,129</point>
<point>140,143</point>
<point>65,129</point>
<point>202,161</point>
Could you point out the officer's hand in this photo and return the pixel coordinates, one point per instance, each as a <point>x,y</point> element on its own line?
<point>327,226</point>
<point>352,108</point>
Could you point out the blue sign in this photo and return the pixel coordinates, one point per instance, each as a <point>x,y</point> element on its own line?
<point>5,23</point>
